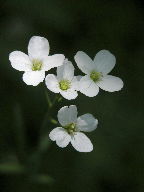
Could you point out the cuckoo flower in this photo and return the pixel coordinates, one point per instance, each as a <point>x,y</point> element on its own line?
<point>71,129</point>
<point>65,82</point>
<point>36,62</point>
<point>97,73</point>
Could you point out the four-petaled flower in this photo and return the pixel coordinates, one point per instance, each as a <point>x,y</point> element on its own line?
<point>96,73</point>
<point>65,82</point>
<point>36,62</point>
<point>71,129</point>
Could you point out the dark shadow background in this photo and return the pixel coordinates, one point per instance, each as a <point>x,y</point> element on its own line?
<point>117,161</point>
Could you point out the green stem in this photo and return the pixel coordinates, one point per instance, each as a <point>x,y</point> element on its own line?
<point>19,134</point>
<point>48,99</point>
<point>44,142</point>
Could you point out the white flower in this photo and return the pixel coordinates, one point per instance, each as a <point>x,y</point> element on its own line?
<point>36,62</point>
<point>65,82</point>
<point>72,127</point>
<point>96,73</point>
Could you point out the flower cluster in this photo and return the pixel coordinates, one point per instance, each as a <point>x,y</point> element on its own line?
<point>38,61</point>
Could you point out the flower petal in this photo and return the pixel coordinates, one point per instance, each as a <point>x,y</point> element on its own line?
<point>69,94</point>
<point>84,62</point>
<point>64,141</point>
<point>20,61</point>
<point>75,83</point>
<point>38,47</point>
<point>56,133</point>
<point>86,123</point>
<point>52,83</point>
<point>66,71</point>
<point>104,61</point>
<point>67,115</point>
<point>110,83</point>
<point>61,137</point>
<point>88,87</point>
<point>81,142</point>
<point>33,77</point>
<point>79,77</point>
<point>50,62</point>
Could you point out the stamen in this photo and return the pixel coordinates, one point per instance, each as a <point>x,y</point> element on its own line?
<point>95,76</point>
<point>70,128</point>
<point>36,65</point>
<point>64,85</point>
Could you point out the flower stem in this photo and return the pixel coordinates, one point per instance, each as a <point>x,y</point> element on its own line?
<point>48,99</point>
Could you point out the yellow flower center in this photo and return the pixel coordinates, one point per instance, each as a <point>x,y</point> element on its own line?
<point>70,128</point>
<point>95,76</point>
<point>36,65</point>
<point>64,85</point>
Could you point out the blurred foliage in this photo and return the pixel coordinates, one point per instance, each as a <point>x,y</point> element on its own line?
<point>28,160</point>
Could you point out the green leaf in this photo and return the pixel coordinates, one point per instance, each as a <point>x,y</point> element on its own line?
<point>42,179</point>
<point>11,168</point>
<point>19,133</point>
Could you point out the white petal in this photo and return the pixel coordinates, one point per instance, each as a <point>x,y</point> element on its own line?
<point>79,77</point>
<point>75,84</point>
<point>20,61</point>
<point>88,87</point>
<point>84,62</point>
<point>56,133</point>
<point>33,77</point>
<point>52,83</point>
<point>64,141</point>
<point>86,123</point>
<point>104,61</point>
<point>61,137</point>
<point>111,83</point>
<point>69,94</point>
<point>81,142</point>
<point>67,115</point>
<point>50,62</point>
<point>38,47</point>
<point>66,71</point>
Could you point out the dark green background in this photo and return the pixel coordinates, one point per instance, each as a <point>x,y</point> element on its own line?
<point>117,161</point>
